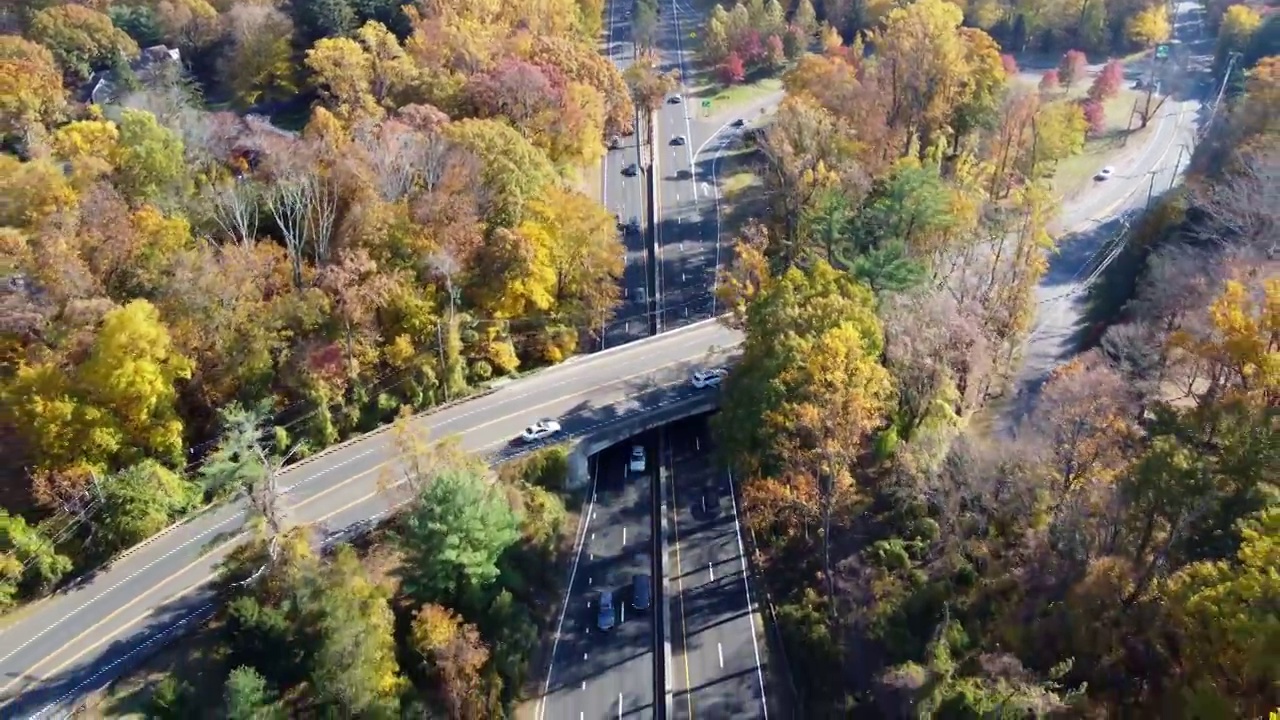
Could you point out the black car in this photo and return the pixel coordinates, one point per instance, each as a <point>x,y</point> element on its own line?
<point>675,100</point>
<point>739,122</point>
<point>631,170</point>
<point>678,140</point>
<point>640,592</point>
<point>633,225</point>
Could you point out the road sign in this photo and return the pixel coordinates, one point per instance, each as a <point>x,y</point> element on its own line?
<point>706,103</point>
<point>1162,51</point>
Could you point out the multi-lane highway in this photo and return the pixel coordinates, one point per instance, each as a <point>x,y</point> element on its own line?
<point>599,673</point>
<point>718,659</point>
<point>79,640</point>
<point>623,195</point>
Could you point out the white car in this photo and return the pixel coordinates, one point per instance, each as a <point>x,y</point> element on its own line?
<point>709,378</point>
<point>540,430</point>
<point>675,100</point>
<point>637,458</point>
<point>1105,173</point>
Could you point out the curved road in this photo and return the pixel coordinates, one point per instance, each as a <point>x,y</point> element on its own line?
<point>77,641</point>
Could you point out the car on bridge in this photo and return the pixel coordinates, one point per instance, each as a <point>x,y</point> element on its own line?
<point>678,140</point>
<point>540,430</point>
<point>709,378</point>
<point>631,170</point>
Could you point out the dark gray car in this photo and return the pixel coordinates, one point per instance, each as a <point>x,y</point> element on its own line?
<point>640,592</point>
<point>605,618</point>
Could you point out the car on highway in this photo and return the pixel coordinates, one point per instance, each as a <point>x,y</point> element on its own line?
<point>684,174</point>
<point>637,459</point>
<point>604,618</point>
<point>633,225</point>
<point>709,378</point>
<point>540,430</point>
<point>678,140</point>
<point>640,592</point>
<point>631,170</point>
<point>615,142</point>
<point>1105,173</point>
<point>739,122</point>
<point>675,100</point>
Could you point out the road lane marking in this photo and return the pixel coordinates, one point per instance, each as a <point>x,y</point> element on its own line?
<point>624,535</point>
<point>712,568</point>
<point>300,504</point>
<point>684,629</point>
<point>139,598</point>
<point>746,588</point>
<point>579,539</point>
<point>172,598</point>
<point>720,654</point>
<point>619,706</point>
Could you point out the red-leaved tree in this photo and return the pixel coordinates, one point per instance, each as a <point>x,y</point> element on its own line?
<point>1072,67</point>
<point>1010,65</point>
<point>1108,82</point>
<point>1049,81</point>
<point>1096,116</point>
<point>733,70</point>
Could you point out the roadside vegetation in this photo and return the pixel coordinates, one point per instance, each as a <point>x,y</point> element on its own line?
<point>179,274</point>
<point>438,613</point>
<point>1114,557</point>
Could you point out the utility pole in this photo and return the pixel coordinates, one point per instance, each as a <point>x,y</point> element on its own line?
<point>1152,189</point>
<point>1176,164</point>
<point>1222,89</point>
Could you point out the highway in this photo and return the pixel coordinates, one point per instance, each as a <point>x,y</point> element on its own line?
<point>77,641</point>
<point>717,642</point>
<point>622,195</point>
<point>608,674</point>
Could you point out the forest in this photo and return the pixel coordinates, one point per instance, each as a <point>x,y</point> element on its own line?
<point>1116,555</point>
<point>194,293</point>
<point>176,267</point>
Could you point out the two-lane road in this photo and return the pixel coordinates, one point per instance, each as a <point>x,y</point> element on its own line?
<point>79,640</point>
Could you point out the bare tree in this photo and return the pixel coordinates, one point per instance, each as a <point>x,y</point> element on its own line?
<point>304,202</point>
<point>1243,208</point>
<point>235,205</point>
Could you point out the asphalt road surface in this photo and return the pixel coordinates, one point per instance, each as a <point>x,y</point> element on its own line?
<point>717,642</point>
<point>77,641</point>
<point>686,240</point>
<point>622,195</point>
<point>1091,227</point>
<point>597,674</point>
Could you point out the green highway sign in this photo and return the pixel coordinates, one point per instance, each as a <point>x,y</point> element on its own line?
<point>1162,51</point>
<point>706,103</point>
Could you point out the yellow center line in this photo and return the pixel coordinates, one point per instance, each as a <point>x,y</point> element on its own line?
<point>684,630</point>
<point>74,642</point>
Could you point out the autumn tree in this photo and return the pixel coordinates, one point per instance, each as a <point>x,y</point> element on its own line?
<point>137,503</point>
<point>116,405</point>
<point>32,97</point>
<point>454,654</point>
<point>1221,621</point>
<point>809,389</point>
<point>29,561</point>
<point>1150,26</point>
<point>732,69</point>
<point>1071,68</point>
<point>148,158</point>
<point>1107,82</point>
<point>81,39</point>
<point>1049,81</point>
<point>257,62</point>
